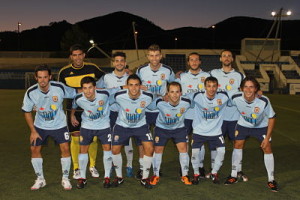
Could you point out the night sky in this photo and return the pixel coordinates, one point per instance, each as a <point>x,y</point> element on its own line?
<point>167,14</point>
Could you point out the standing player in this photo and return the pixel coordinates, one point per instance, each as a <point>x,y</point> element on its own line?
<point>229,81</point>
<point>131,122</point>
<point>210,107</point>
<point>193,81</point>
<point>115,79</point>
<point>155,77</point>
<point>46,98</point>
<point>170,125</point>
<point>95,122</point>
<point>71,75</point>
<point>257,119</point>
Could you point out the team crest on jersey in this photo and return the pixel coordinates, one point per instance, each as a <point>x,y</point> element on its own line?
<point>219,101</point>
<point>116,138</point>
<point>143,104</point>
<point>182,110</point>
<point>236,133</point>
<point>55,98</point>
<point>202,79</point>
<point>156,139</point>
<point>162,76</point>
<point>231,81</point>
<point>101,103</point>
<point>256,109</point>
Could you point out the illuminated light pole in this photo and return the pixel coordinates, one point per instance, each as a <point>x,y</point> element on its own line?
<point>19,40</point>
<point>175,42</point>
<point>135,34</point>
<point>94,45</point>
<point>213,36</point>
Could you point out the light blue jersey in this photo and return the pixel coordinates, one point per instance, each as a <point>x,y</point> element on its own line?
<point>156,81</point>
<point>253,114</point>
<point>192,83</point>
<point>209,113</point>
<point>48,106</point>
<point>111,80</point>
<point>95,115</point>
<point>229,82</point>
<point>171,117</point>
<point>132,111</point>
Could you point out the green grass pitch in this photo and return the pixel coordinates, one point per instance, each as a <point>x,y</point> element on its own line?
<point>17,174</point>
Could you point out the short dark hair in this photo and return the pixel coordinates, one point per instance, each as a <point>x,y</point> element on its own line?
<point>211,79</point>
<point>118,53</point>
<point>193,53</point>
<point>134,77</point>
<point>174,84</point>
<point>253,80</point>
<point>42,68</point>
<point>228,51</point>
<point>86,80</point>
<point>76,47</point>
<point>154,47</point>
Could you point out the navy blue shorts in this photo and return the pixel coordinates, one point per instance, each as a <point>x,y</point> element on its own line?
<point>121,135</point>
<point>59,135</point>
<point>213,141</point>
<point>242,133</point>
<point>151,118</point>
<point>163,135</point>
<point>113,118</point>
<point>87,135</point>
<point>228,129</point>
<point>188,123</point>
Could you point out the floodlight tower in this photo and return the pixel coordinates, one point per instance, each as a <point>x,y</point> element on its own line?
<point>94,45</point>
<point>277,22</point>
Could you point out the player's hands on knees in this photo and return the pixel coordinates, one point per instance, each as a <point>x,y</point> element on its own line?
<point>265,143</point>
<point>74,121</point>
<point>34,136</point>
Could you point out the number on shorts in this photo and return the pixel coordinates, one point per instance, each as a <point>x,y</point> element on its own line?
<point>149,136</point>
<point>109,137</point>
<point>67,136</point>
<point>222,139</point>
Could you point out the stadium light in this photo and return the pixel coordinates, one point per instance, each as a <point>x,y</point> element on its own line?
<point>94,45</point>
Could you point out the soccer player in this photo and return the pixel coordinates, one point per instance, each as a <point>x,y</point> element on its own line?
<point>46,98</point>
<point>115,79</point>
<point>71,75</point>
<point>170,125</point>
<point>192,81</point>
<point>155,77</point>
<point>229,81</point>
<point>131,122</point>
<point>210,107</point>
<point>95,122</point>
<point>257,119</point>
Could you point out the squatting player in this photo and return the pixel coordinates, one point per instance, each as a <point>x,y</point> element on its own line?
<point>115,79</point>
<point>131,122</point>
<point>192,81</point>
<point>71,75</point>
<point>155,77</point>
<point>257,119</point>
<point>229,81</point>
<point>170,125</point>
<point>95,122</point>
<point>210,107</point>
<point>46,98</point>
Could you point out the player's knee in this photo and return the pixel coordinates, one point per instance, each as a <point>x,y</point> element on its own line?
<point>239,144</point>
<point>65,150</point>
<point>106,147</point>
<point>221,150</point>
<point>267,149</point>
<point>35,151</point>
